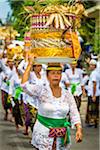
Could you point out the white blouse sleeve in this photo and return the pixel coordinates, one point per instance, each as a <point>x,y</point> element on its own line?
<point>20,67</point>
<point>73,111</point>
<point>5,68</point>
<point>1,78</point>
<point>67,76</point>
<point>93,76</point>
<point>64,78</point>
<point>81,77</point>
<point>11,86</point>
<point>32,89</point>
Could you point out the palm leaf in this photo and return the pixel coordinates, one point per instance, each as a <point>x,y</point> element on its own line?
<point>29,16</point>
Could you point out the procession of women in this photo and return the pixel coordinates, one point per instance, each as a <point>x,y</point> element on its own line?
<point>42,98</point>
<point>45,77</point>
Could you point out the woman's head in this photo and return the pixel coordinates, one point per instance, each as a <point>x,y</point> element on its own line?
<point>10,63</point>
<point>54,73</point>
<point>92,64</point>
<point>73,64</point>
<point>37,68</point>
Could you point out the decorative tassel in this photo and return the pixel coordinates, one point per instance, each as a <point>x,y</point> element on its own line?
<point>54,143</point>
<point>65,139</point>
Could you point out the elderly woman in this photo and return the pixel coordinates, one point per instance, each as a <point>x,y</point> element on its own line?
<point>51,130</point>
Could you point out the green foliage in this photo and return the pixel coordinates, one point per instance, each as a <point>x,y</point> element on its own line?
<point>87,30</point>
<point>89,4</point>
<point>48,2</point>
<point>96,46</point>
<point>17,21</point>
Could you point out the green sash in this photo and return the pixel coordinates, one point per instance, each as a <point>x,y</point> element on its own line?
<point>18,91</point>
<point>73,87</point>
<point>53,123</point>
<point>8,83</point>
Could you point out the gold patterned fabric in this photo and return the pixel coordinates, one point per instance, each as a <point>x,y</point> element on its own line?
<point>56,44</point>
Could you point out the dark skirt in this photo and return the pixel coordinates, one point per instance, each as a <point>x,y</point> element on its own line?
<point>6,104</point>
<point>33,115</point>
<point>2,97</point>
<point>27,115</point>
<point>17,113</point>
<point>92,115</point>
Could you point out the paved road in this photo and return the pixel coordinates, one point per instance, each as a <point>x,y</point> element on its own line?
<point>9,140</point>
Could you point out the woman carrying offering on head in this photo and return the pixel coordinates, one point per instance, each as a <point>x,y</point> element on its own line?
<point>52,130</point>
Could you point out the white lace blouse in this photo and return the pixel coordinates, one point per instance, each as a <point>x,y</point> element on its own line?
<point>50,106</point>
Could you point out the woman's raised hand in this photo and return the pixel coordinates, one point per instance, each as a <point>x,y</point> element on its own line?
<point>31,58</point>
<point>27,71</point>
